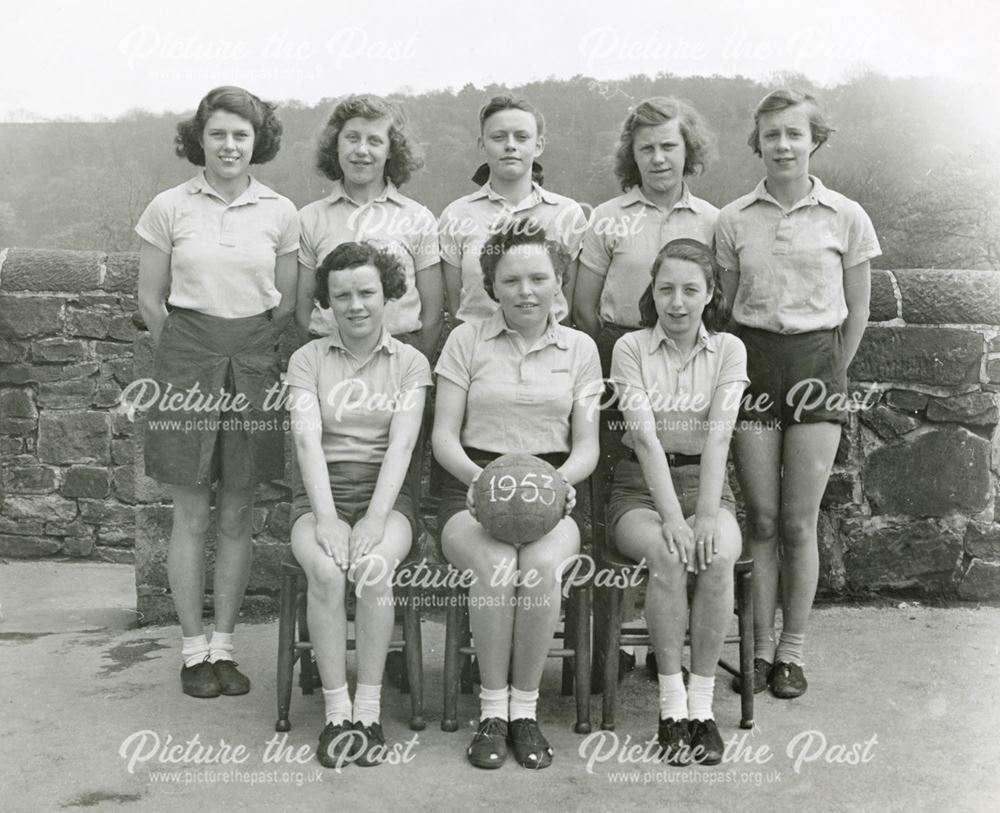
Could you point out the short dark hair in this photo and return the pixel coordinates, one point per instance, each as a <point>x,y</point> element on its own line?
<point>716,315</point>
<point>699,139</point>
<point>782,99</point>
<point>266,127</point>
<point>405,155</point>
<point>520,232</point>
<point>354,255</point>
<point>509,102</point>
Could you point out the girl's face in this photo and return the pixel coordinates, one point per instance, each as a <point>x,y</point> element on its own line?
<point>525,284</point>
<point>659,153</point>
<point>228,141</point>
<point>680,294</point>
<point>357,301</point>
<point>363,148</point>
<point>510,142</point>
<point>786,142</point>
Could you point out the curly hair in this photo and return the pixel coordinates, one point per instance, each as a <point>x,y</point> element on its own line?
<point>266,127</point>
<point>354,255</point>
<point>520,232</point>
<point>782,99</point>
<point>405,154</point>
<point>716,315</point>
<point>508,102</point>
<point>699,139</point>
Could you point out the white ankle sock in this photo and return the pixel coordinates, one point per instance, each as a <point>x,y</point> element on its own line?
<point>673,697</point>
<point>194,649</point>
<point>790,648</point>
<point>221,647</point>
<point>523,704</point>
<point>338,705</point>
<point>700,690</point>
<point>367,703</point>
<point>493,703</point>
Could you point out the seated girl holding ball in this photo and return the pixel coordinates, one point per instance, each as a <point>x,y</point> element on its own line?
<point>516,382</point>
<point>679,383</point>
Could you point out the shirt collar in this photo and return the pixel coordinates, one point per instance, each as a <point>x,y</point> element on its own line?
<point>538,194</point>
<point>818,194</point>
<point>658,337</point>
<point>386,342</point>
<point>496,325</point>
<point>254,192</point>
<point>391,193</point>
<point>634,195</point>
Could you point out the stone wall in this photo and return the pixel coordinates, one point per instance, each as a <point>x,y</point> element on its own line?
<point>910,509</point>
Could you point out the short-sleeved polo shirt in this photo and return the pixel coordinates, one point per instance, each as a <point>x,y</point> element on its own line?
<point>391,221</point>
<point>791,263</point>
<point>623,238</point>
<point>519,399</point>
<point>467,222</point>
<point>358,397</point>
<point>222,255</point>
<point>647,368</point>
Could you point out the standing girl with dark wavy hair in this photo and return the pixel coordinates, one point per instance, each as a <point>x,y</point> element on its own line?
<point>796,270</point>
<point>216,286</point>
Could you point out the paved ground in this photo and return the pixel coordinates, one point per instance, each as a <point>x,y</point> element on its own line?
<point>914,691</point>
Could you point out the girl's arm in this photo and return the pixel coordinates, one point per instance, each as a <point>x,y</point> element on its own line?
<point>453,288</point>
<point>285,280</point>
<point>569,289</point>
<point>586,297</point>
<point>307,435</point>
<point>857,294</point>
<point>730,281</point>
<point>449,413</point>
<point>585,450</point>
<point>430,286</point>
<point>154,282</point>
<point>403,433</point>
<point>305,289</point>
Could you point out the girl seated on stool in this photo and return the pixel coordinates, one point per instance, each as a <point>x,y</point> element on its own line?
<point>356,401</point>
<point>517,381</point>
<point>679,383</point>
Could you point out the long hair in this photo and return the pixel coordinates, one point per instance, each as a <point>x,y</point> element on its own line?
<point>716,315</point>
<point>240,102</point>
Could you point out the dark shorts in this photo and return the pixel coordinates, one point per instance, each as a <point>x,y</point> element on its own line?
<point>794,377</point>
<point>629,491</point>
<point>215,375</point>
<point>352,486</point>
<point>453,493</point>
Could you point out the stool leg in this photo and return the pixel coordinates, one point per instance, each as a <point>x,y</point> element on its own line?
<point>469,673</point>
<point>600,621</point>
<point>413,650</point>
<point>452,666</point>
<point>569,642</point>
<point>581,646</point>
<point>744,603</point>
<point>614,604</point>
<point>286,651</point>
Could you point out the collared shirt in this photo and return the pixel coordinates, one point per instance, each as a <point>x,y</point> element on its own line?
<point>648,369</point>
<point>467,222</point>
<point>623,238</point>
<point>358,397</point>
<point>222,255</point>
<point>519,399</point>
<point>391,221</point>
<point>791,264</point>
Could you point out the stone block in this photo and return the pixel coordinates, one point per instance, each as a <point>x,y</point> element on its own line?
<point>85,481</point>
<point>24,316</point>
<point>121,272</point>
<point>831,555</point>
<point>120,369</point>
<point>981,582</point>
<point>977,408</point>
<point>265,575</point>
<point>10,446</point>
<point>66,394</point>
<point>937,296</point>
<point>118,556</point>
<point>28,547</point>
<point>143,356</point>
<point>982,540</point>
<point>74,437</point>
<point>123,329</point>
<point>12,351</point>
<point>839,490</point>
<point>104,513</point>
<point>122,451</point>
<point>18,426</point>
<point>22,527</point>
<point>17,403</point>
<point>942,357</point>
<point>882,306</point>
<point>89,324</point>
<point>62,372</point>
<point>123,480</point>
<point>107,394</point>
<point>152,535</point>
<point>277,523</point>
<point>887,423</point>
<point>79,547</point>
<point>108,350</point>
<point>58,349</point>
<point>901,554</point>
<point>52,270</point>
<point>48,507</point>
<point>25,476</point>
<point>117,536</point>
<point>906,400</point>
<point>993,370</point>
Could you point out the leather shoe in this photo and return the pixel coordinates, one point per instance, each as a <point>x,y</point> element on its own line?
<point>372,744</point>
<point>200,680</point>
<point>788,680</point>
<point>706,742</point>
<point>231,680</point>
<point>674,739</point>
<point>488,748</point>
<point>762,671</point>
<point>339,745</point>
<point>531,749</point>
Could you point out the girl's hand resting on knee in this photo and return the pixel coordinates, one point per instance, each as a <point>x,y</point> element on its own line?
<point>470,495</point>
<point>334,542</point>
<point>364,536</point>
<point>570,497</point>
<point>680,540</point>
<point>706,539</point>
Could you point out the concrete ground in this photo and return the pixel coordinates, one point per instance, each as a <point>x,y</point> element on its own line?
<point>901,714</point>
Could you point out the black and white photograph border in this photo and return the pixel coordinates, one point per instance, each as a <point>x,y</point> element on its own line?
<point>902,650</point>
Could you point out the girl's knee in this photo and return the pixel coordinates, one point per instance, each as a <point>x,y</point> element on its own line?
<point>797,531</point>
<point>372,576</point>
<point>665,568</point>
<point>326,580</point>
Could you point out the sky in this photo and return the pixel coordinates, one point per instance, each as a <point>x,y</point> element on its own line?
<point>102,58</point>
